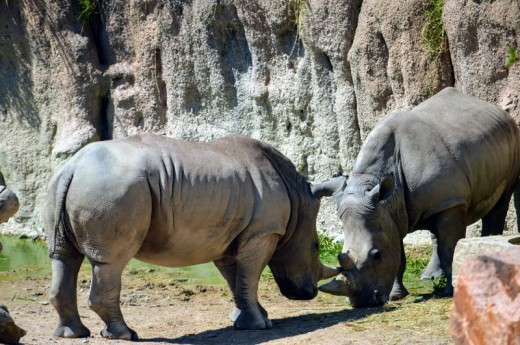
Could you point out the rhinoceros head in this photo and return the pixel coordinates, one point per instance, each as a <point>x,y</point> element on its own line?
<point>371,253</point>
<point>295,264</point>
<point>8,204</point>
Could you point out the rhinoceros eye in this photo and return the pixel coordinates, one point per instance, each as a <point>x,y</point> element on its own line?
<point>375,254</point>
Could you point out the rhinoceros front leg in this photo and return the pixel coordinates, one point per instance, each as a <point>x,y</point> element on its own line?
<point>449,227</point>
<point>494,221</point>
<point>252,257</point>
<point>399,291</point>
<point>228,268</point>
<point>104,300</point>
<point>63,296</point>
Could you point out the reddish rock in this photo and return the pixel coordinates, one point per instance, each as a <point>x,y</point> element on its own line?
<point>486,303</point>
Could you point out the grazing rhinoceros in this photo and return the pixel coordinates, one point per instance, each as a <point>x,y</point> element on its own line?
<point>8,204</point>
<point>235,201</point>
<point>443,165</point>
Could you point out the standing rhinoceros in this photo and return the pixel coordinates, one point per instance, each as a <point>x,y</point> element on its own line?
<point>235,201</point>
<point>8,204</point>
<point>443,165</point>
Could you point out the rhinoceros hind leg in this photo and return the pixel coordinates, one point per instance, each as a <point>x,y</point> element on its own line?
<point>449,227</point>
<point>433,270</point>
<point>104,300</point>
<point>63,296</point>
<point>493,222</point>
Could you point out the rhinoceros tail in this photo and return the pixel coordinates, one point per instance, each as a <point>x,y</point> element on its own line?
<point>58,235</point>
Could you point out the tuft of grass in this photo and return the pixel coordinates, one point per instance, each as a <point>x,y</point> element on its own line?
<point>512,56</point>
<point>433,41</point>
<point>296,11</point>
<point>432,33</point>
<point>88,8</point>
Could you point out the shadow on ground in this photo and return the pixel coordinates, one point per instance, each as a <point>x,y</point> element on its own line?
<point>282,328</point>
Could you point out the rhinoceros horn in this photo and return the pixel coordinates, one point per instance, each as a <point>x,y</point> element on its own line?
<point>329,272</point>
<point>340,286</point>
<point>347,260</point>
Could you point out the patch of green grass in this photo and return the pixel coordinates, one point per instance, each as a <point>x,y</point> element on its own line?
<point>512,56</point>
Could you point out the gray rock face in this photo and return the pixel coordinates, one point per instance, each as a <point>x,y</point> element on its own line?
<point>310,77</point>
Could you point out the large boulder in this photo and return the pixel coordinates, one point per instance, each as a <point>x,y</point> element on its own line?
<point>486,302</point>
<point>472,246</point>
<point>10,333</point>
<point>9,204</point>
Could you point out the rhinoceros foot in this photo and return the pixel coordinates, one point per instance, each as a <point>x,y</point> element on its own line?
<point>252,320</point>
<point>398,294</point>
<point>119,332</point>
<point>398,290</point>
<point>433,270</point>
<point>71,331</point>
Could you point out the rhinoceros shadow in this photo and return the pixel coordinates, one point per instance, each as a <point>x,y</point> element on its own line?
<point>282,328</point>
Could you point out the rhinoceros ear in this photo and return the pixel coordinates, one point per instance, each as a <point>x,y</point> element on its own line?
<point>383,190</point>
<point>334,185</point>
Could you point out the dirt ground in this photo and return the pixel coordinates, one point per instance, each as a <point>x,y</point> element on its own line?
<point>166,309</point>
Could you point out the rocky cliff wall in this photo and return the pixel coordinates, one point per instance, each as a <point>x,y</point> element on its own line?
<point>309,76</point>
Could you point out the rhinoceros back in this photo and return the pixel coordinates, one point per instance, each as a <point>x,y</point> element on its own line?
<point>450,150</point>
<point>175,203</point>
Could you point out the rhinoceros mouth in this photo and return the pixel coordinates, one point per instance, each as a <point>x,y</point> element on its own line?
<point>368,298</point>
<point>294,291</point>
<point>343,285</point>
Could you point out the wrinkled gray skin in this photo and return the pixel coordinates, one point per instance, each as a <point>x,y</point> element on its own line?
<point>8,204</point>
<point>443,165</point>
<point>235,201</point>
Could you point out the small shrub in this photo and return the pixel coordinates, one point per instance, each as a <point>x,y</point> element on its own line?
<point>432,33</point>
<point>87,8</point>
<point>296,10</point>
<point>433,41</point>
<point>439,285</point>
<point>329,250</point>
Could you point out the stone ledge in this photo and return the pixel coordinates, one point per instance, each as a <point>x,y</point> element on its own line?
<point>473,246</point>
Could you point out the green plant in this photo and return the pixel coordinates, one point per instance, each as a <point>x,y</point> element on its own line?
<point>329,249</point>
<point>433,41</point>
<point>439,285</point>
<point>87,8</point>
<point>512,56</point>
<point>296,10</point>
<point>432,33</point>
